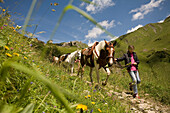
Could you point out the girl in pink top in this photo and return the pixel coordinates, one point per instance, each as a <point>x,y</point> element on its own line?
<point>132,61</point>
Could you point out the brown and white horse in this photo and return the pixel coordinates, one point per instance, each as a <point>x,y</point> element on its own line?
<point>100,55</point>
<point>55,60</point>
<point>69,60</point>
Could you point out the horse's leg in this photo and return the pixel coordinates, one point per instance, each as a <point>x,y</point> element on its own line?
<point>97,72</point>
<point>65,67</point>
<point>91,78</point>
<point>108,74</point>
<point>72,68</point>
<point>78,70</point>
<point>82,71</point>
<point>79,67</point>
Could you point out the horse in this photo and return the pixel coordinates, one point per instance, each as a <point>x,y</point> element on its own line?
<point>69,59</point>
<point>101,54</point>
<point>55,60</point>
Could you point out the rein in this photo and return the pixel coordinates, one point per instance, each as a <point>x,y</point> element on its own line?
<point>109,57</point>
<point>96,53</point>
<point>123,66</point>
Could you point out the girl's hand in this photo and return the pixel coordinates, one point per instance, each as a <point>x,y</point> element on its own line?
<point>134,63</point>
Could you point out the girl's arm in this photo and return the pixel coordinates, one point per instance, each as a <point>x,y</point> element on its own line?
<point>121,58</point>
<point>137,60</point>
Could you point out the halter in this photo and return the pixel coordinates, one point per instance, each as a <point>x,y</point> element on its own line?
<point>110,46</point>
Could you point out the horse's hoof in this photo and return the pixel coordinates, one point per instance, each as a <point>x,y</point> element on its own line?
<point>104,84</point>
<point>97,86</point>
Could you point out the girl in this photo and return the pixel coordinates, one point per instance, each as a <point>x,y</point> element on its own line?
<point>131,61</point>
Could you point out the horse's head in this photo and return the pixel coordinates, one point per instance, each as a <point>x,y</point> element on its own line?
<point>109,47</point>
<point>77,54</point>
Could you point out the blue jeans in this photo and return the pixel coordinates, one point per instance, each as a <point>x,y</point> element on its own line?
<point>136,80</point>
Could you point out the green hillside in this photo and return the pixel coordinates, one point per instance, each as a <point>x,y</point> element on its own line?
<point>152,44</point>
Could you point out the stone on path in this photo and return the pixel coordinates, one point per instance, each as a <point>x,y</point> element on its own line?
<point>120,97</point>
<point>124,95</point>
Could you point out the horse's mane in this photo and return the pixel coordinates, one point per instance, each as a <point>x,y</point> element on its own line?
<point>99,47</point>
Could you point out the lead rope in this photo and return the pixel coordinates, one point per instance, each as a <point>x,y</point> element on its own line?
<point>124,66</point>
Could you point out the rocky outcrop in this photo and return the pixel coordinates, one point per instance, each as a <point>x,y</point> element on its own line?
<point>74,43</point>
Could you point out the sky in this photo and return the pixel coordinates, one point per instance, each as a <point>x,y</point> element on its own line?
<point>119,17</point>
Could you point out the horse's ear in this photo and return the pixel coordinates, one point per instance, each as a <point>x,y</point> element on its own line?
<point>106,42</point>
<point>114,43</point>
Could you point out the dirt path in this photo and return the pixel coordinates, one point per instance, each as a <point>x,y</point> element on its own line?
<point>141,105</point>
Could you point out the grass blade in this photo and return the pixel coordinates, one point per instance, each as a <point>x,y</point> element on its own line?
<point>29,15</point>
<point>28,109</point>
<point>83,13</point>
<point>36,74</point>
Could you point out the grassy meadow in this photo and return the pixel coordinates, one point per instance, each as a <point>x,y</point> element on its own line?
<point>30,82</point>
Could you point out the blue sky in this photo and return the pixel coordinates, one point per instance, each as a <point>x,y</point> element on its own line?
<point>117,16</point>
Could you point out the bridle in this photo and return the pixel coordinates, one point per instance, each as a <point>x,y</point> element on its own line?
<point>110,46</point>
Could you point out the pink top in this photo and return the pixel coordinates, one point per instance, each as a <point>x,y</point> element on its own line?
<point>133,68</point>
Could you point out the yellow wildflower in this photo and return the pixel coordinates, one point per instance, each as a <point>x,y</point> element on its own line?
<point>25,57</point>
<point>99,110</point>
<point>89,96</point>
<point>85,96</point>
<point>92,102</point>
<point>53,10</point>
<point>81,106</point>
<point>6,47</point>
<point>55,4</point>
<point>3,10</point>
<point>16,54</point>
<point>9,55</point>
<point>18,27</point>
<point>12,27</point>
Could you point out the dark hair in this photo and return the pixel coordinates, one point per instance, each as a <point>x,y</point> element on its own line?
<point>131,47</point>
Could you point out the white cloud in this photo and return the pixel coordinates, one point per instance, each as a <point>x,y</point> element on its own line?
<point>82,4</point>
<point>99,5</point>
<point>114,38</point>
<point>106,24</point>
<point>119,23</point>
<point>145,9</point>
<point>95,31</point>
<point>135,28</point>
<point>168,15</point>
<point>41,32</point>
<point>90,43</point>
<point>161,21</point>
